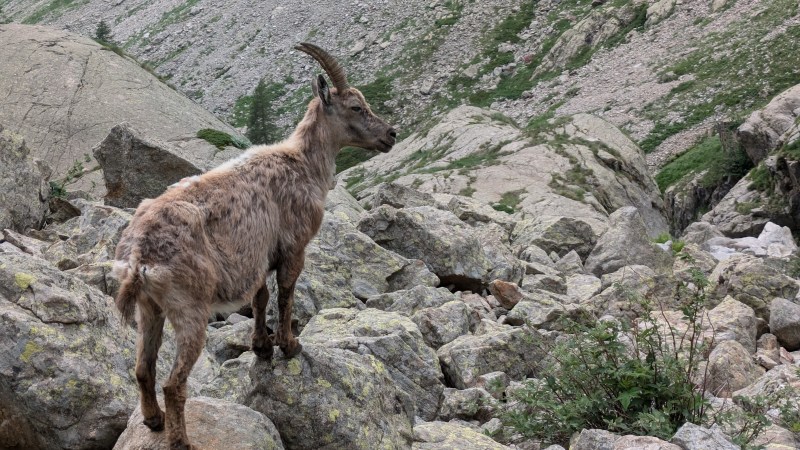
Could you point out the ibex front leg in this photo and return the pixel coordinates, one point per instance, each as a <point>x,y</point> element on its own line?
<point>262,341</point>
<point>288,271</point>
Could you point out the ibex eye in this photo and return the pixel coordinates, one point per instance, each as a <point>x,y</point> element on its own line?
<point>356,108</point>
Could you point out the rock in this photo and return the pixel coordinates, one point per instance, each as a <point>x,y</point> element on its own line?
<point>343,265</point>
<point>781,383</point>
<point>72,97</point>
<point>396,343</point>
<point>517,352</point>
<point>98,275</point>
<point>50,320</point>
<point>347,399</point>
<point>717,5</point>
<point>583,287</point>
<point>508,294</point>
<point>735,321</point>
<point>784,323</point>
<point>643,443</point>
<point>730,368</point>
<point>624,244</point>
<point>232,382</point>
<point>760,133</point>
<point>211,424</point>
<point>570,264</point>
<point>768,353</point>
<point>495,383</point>
<point>559,234</point>
<point>733,221</point>
<point>27,244</point>
<point>451,436</point>
<point>751,281</point>
<point>776,438</point>
<point>467,404</point>
<point>694,437</point>
<point>446,244</point>
<point>442,325</point>
<point>550,283</point>
<point>699,233</point>
<point>690,259</point>
<point>341,204</point>
<point>659,11</point>
<point>408,302</point>
<point>594,440</point>
<point>23,184</point>
<point>230,341</point>
<point>543,310</point>
<point>623,290</point>
<point>398,196</point>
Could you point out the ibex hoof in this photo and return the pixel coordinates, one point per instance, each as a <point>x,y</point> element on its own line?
<point>292,349</point>
<point>155,423</point>
<point>262,347</point>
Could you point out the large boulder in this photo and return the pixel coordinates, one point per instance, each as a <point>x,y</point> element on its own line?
<point>784,323</point>
<point>626,243</point>
<point>451,248</point>
<point>752,281</point>
<point>519,352</point>
<point>761,132</point>
<point>23,185</point>
<point>694,437</point>
<point>66,361</point>
<point>408,302</point>
<point>396,343</point>
<point>730,368</point>
<point>451,436</point>
<point>328,398</point>
<point>75,91</point>
<point>211,424</point>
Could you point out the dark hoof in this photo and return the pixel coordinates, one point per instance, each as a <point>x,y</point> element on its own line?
<point>155,423</point>
<point>262,347</point>
<point>291,349</point>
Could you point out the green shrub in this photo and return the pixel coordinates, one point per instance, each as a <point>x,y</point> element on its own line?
<point>616,377</point>
<point>102,33</point>
<point>351,156</point>
<point>261,128</point>
<point>221,139</point>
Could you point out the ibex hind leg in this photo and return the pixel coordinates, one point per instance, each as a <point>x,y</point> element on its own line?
<point>189,322</point>
<point>150,321</point>
<point>288,271</point>
<point>262,341</point>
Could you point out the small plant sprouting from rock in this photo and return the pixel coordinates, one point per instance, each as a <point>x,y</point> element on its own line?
<point>221,139</point>
<point>58,188</point>
<point>102,33</point>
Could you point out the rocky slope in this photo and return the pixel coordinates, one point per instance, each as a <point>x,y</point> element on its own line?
<point>617,59</point>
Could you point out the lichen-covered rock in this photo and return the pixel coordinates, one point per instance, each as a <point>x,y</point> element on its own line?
<point>561,235</point>
<point>451,248</point>
<point>735,321</point>
<point>581,287</point>
<point>443,324</point>
<point>730,368</point>
<point>782,382</point>
<point>776,438</point>
<point>631,442</point>
<point>211,424</point>
<point>408,302</point>
<point>343,265</point>
<point>394,340</point>
<point>545,310</point>
<point>694,437</point>
<point>626,243</point>
<point>230,341</point>
<point>751,281</point>
<point>467,404</point>
<point>784,323</point>
<point>23,185</point>
<point>341,204</point>
<point>624,289</point>
<point>594,440</point>
<point>348,401</point>
<point>65,360</point>
<point>761,132</point>
<point>451,436</point>
<point>398,196</point>
<point>518,352</point>
<point>659,11</point>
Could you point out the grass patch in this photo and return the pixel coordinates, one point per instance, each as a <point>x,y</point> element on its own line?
<point>377,93</point>
<point>221,139</point>
<point>509,201</point>
<point>51,8</point>
<point>351,156</point>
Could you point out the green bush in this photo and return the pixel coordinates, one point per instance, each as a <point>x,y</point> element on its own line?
<point>625,379</point>
<point>261,128</point>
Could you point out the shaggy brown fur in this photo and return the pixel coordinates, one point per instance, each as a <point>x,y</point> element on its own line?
<point>209,243</point>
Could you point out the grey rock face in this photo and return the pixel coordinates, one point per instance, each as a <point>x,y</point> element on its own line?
<point>65,360</point>
<point>363,410</point>
<point>395,342</point>
<point>518,352</point>
<point>594,440</point>
<point>751,281</point>
<point>626,243</point>
<point>733,320</point>
<point>23,185</point>
<point>761,132</point>
<point>447,245</point>
<point>784,323</point>
<point>211,424</point>
<point>730,368</point>
<point>408,302</point>
<point>443,324</point>
<point>694,437</point>
<point>451,436</point>
<point>75,91</point>
<point>561,235</point>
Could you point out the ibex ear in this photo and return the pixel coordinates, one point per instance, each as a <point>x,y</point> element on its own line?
<point>321,90</point>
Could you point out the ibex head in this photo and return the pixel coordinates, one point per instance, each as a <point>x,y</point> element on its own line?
<point>346,108</point>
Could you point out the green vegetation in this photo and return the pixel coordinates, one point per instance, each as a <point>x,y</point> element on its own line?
<point>221,139</point>
<point>58,187</point>
<point>261,128</point>
<point>52,8</point>
<point>351,156</point>
<point>509,201</point>
<point>708,155</point>
<point>102,33</point>
<point>734,71</point>
<point>377,93</point>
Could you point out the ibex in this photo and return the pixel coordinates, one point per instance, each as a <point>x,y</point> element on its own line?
<point>209,243</point>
